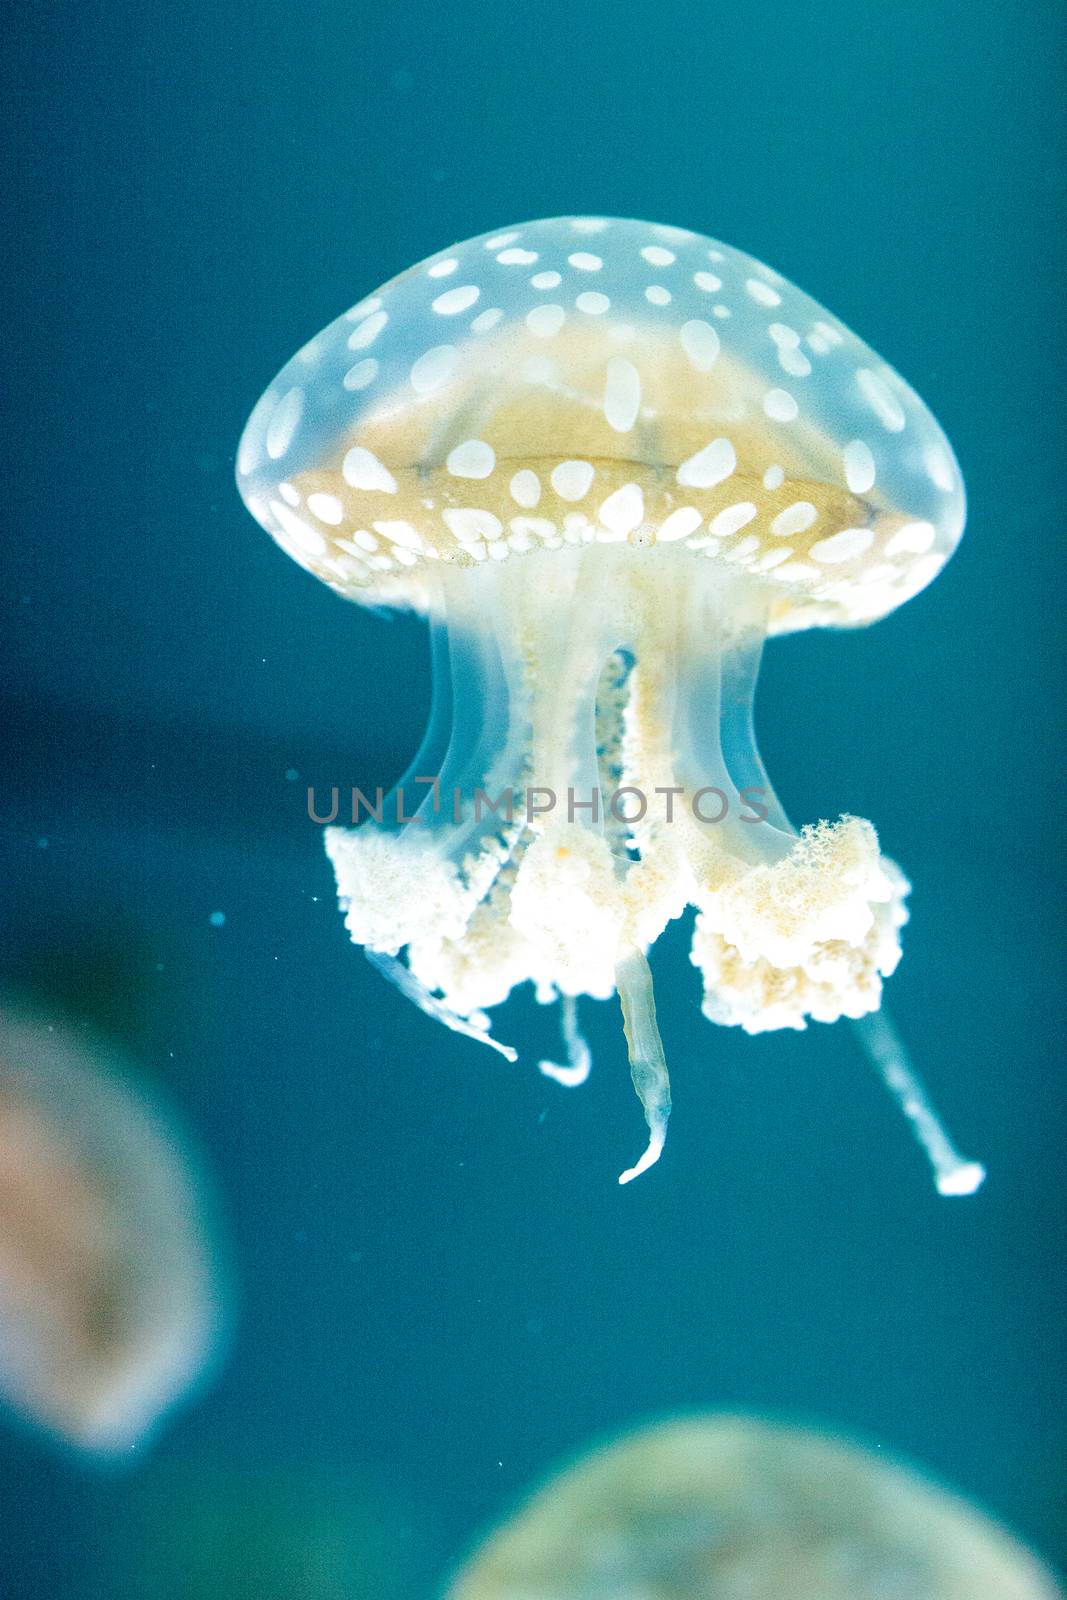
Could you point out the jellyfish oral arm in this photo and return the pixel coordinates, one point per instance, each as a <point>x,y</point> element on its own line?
<point>648,1068</point>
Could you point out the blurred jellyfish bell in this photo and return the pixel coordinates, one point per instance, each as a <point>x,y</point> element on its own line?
<point>111,1295</point>
<point>608,459</point>
<point>734,1508</point>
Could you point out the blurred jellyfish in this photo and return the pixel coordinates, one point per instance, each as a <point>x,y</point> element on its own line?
<point>110,1295</point>
<point>608,459</point>
<point>731,1508</point>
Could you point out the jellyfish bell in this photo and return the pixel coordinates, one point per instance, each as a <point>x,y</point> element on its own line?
<point>608,459</point>
<point>111,1295</point>
<point>722,1507</point>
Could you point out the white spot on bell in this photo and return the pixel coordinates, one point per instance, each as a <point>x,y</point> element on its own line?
<point>593,303</point>
<point>939,466</point>
<point>486,320</point>
<point>913,539</point>
<point>881,399</point>
<point>700,343</point>
<point>679,525</point>
<point>525,489</point>
<point>624,510</point>
<point>367,331</point>
<point>794,519</point>
<point>732,519</point>
<point>285,419</point>
<point>434,368</point>
<point>443,269</point>
<point>546,280</point>
<point>533,527</point>
<point>544,322</point>
<point>300,538</point>
<point>762,292</point>
<point>657,295</point>
<point>793,361</point>
<point>708,282</point>
<point>400,533</point>
<point>517,258</point>
<point>622,394</point>
<point>364,308</point>
<point>327,508</point>
<point>453,301</point>
<point>843,546</point>
<point>471,459</point>
<point>470,524</point>
<point>709,466</point>
<point>859,466</point>
<point>571,479</point>
<point>657,256</point>
<point>585,261</point>
<point>774,558</point>
<point>361,469</point>
<point>780,405</point>
<point>362,374</point>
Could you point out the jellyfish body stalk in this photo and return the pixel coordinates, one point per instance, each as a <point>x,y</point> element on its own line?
<point>953,1173</point>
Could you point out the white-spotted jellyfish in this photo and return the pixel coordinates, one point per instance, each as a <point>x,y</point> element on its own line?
<point>608,459</point>
<point>111,1294</point>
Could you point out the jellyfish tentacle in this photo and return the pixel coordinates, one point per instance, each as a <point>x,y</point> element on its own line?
<point>409,986</point>
<point>648,1066</point>
<point>579,1056</point>
<point>953,1173</point>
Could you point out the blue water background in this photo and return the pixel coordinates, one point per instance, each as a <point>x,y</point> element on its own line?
<point>441,1288</point>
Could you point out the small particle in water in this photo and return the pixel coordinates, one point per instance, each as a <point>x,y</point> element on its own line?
<point>291,774</point>
<point>217,919</point>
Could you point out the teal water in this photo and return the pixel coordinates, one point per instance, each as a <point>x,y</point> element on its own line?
<point>441,1288</point>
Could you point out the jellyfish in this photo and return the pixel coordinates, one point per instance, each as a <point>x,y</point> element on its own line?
<point>110,1290</point>
<point>720,1507</point>
<point>607,460</point>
